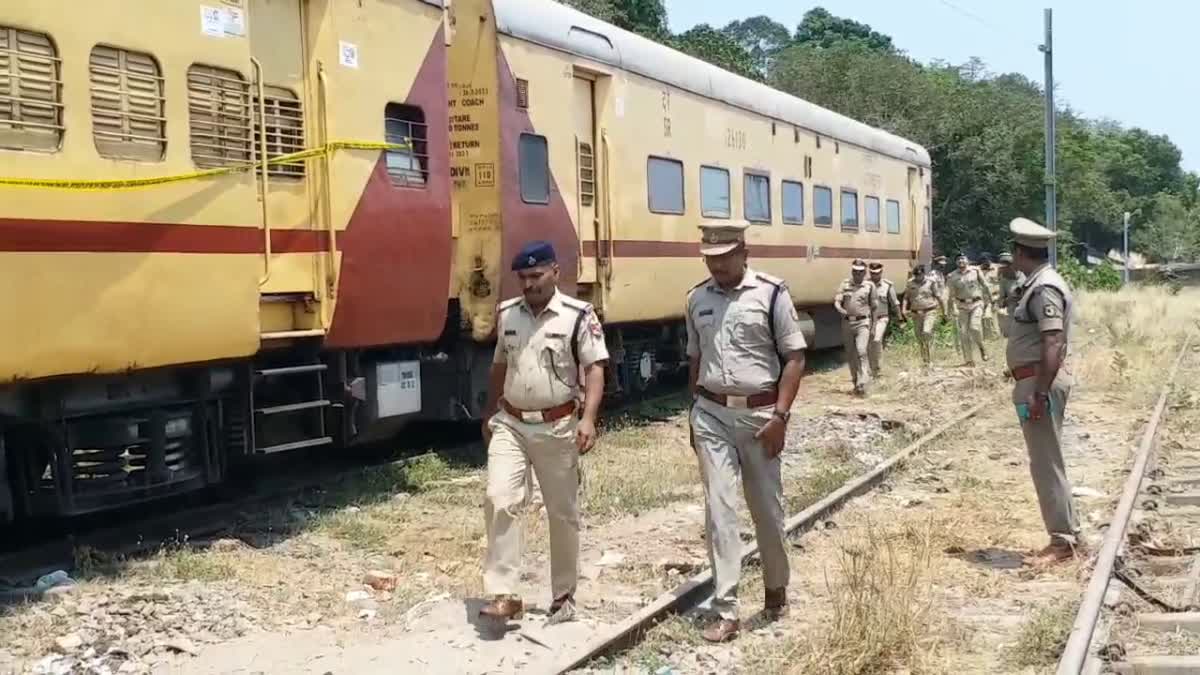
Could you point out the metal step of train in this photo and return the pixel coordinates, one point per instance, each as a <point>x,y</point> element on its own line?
<point>296,393</point>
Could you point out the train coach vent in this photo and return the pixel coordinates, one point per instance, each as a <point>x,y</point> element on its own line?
<point>284,129</point>
<point>522,93</point>
<point>587,174</point>
<point>30,91</point>
<point>127,104</point>
<point>219,114</point>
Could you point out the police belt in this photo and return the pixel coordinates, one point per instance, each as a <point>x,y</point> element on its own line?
<point>1023,372</point>
<point>854,317</point>
<point>759,400</point>
<point>539,416</point>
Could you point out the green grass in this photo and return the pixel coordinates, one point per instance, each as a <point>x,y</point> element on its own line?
<point>185,564</point>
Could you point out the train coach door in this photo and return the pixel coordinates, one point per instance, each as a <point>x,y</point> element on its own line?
<point>583,108</point>
<point>279,101</point>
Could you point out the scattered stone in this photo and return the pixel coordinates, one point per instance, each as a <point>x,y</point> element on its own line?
<point>227,545</point>
<point>68,643</point>
<point>380,580</point>
<point>1080,491</point>
<point>182,646</point>
<point>610,559</point>
<point>357,596</point>
<point>911,502</point>
<point>366,614</point>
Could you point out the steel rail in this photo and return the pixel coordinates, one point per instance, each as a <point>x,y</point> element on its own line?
<point>1075,653</point>
<point>692,591</point>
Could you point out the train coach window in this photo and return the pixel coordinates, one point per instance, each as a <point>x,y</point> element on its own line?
<point>823,206</point>
<point>219,115</point>
<point>871,214</point>
<point>405,125</point>
<point>928,222</point>
<point>127,104</point>
<point>534,168</point>
<point>30,91</point>
<point>714,193</point>
<point>849,210</point>
<point>664,184</point>
<point>793,202</point>
<point>284,129</point>
<point>893,216</point>
<point>756,198</point>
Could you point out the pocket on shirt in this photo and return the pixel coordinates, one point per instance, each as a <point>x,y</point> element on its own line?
<point>751,327</point>
<point>558,352</point>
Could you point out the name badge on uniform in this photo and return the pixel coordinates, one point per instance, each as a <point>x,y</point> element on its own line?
<point>510,332</point>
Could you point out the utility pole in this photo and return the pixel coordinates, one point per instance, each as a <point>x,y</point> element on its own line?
<point>1051,193</point>
<point>1127,248</point>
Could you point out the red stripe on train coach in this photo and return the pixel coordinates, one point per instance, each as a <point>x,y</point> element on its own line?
<point>19,235</point>
<point>628,248</point>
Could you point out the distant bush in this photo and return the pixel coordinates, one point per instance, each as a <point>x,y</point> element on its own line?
<point>1102,277</point>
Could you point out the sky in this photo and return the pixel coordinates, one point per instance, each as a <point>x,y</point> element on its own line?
<point>1127,60</point>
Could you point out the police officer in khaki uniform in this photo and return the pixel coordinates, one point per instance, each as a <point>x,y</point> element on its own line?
<point>923,298</point>
<point>991,276</point>
<point>886,303</point>
<point>745,359</point>
<point>970,294</point>
<point>940,273</point>
<point>1038,349</point>
<point>544,340</point>
<point>855,301</point>
<point>1007,281</point>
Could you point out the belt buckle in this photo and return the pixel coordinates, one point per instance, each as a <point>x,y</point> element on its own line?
<point>739,402</point>
<point>532,417</point>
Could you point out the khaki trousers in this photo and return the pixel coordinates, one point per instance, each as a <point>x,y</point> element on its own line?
<point>1043,441</point>
<point>725,447</point>
<point>970,329</point>
<point>855,337</point>
<point>875,348</point>
<point>550,448</point>
<point>989,322</point>
<point>924,322</point>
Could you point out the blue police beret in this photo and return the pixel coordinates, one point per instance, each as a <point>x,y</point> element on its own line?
<point>533,254</point>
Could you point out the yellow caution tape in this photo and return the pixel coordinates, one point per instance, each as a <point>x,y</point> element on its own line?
<point>136,183</point>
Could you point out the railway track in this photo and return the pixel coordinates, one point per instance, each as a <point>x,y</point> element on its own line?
<point>693,591</point>
<point>1150,622</point>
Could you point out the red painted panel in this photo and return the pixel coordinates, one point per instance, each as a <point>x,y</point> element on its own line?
<point>523,222</point>
<point>28,235</point>
<point>395,272</point>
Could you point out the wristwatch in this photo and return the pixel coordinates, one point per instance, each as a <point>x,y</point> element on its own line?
<point>784,416</point>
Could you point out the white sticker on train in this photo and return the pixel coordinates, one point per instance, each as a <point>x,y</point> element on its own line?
<point>348,54</point>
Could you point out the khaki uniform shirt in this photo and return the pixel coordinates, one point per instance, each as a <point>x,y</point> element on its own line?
<point>923,296</point>
<point>885,299</point>
<point>542,372</point>
<point>731,333</point>
<point>992,277</point>
<point>1044,304</point>
<point>1008,288</point>
<point>857,299</point>
<point>968,285</point>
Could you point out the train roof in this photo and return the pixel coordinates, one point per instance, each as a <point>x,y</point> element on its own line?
<point>560,27</point>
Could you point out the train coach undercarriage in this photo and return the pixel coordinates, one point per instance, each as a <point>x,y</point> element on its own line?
<point>74,446</point>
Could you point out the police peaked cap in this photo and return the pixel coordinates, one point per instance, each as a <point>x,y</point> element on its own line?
<point>533,254</point>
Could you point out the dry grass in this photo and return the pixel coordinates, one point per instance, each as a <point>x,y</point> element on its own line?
<point>880,607</point>
<point>1124,341</point>
<point>636,468</point>
<point>1044,635</point>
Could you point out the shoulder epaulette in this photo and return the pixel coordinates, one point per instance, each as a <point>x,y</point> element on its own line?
<point>508,304</point>
<point>768,280</point>
<point>698,285</point>
<point>577,305</point>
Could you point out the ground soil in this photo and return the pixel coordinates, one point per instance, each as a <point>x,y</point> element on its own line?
<point>283,591</point>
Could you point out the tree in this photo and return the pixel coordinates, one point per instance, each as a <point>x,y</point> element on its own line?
<point>1173,234</point>
<point>762,38</point>
<point>819,28</point>
<point>644,17</point>
<point>718,48</point>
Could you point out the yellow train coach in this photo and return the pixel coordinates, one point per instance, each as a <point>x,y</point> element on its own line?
<point>224,226</point>
<point>616,148</point>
